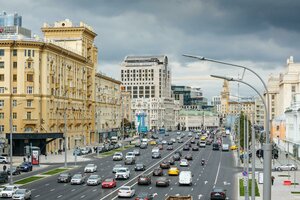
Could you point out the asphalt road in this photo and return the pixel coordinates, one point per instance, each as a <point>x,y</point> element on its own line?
<point>218,172</point>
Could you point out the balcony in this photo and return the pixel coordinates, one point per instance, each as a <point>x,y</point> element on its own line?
<point>29,70</point>
<point>30,121</point>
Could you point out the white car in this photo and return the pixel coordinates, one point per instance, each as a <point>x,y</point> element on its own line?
<point>126,191</point>
<point>90,168</point>
<point>164,142</point>
<point>118,156</point>
<point>22,194</point>
<point>130,155</point>
<point>225,147</point>
<point>202,144</point>
<point>94,179</point>
<point>3,159</point>
<point>8,191</point>
<point>286,167</point>
<point>178,133</point>
<point>184,163</point>
<point>122,173</point>
<point>173,140</point>
<point>116,167</point>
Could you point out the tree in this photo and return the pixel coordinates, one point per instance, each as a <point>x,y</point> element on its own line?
<point>241,118</point>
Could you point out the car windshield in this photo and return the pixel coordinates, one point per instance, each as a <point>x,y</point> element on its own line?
<point>118,166</point>
<point>108,180</point>
<point>90,165</point>
<point>122,170</point>
<point>64,175</point>
<point>77,176</point>
<point>94,177</point>
<point>20,191</point>
<point>124,188</point>
<point>8,189</point>
<point>161,179</point>
<point>139,165</point>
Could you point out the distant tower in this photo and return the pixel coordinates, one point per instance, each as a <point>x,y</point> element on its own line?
<point>225,98</point>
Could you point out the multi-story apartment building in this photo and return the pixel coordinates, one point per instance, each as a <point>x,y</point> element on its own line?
<point>259,113</point>
<point>216,102</point>
<point>48,87</point>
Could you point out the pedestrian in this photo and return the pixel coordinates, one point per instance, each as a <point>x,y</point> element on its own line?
<point>24,159</point>
<point>4,167</point>
<point>45,156</point>
<point>272,179</point>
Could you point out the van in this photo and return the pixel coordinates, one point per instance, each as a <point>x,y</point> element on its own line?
<point>185,178</point>
<point>114,139</point>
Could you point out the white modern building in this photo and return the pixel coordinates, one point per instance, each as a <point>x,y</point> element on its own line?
<point>216,101</point>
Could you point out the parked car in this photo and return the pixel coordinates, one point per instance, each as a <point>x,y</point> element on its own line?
<point>144,179</point>
<point>126,191</point>
<point>8,191</point>
<point>94,179</point>
<point>78,179</point>
<point>25,167</point>
<point>64,178</point>
<point>118,156</point>
<point>116,167</point>
<point>90,168</point>
<point>109,183</point>
<point>77,152</point>
<point>162,181</point>
<point>3,160</point>
<point>158,172</point>
<point>23,194</point>
<point>286,167</point>
<point>218,194</point>
<point>139,167</point>
<point>144,196</point>
<point>15,171</point>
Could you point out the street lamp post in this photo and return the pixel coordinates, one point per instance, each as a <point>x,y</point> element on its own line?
<point>10,139</point>
<point>267,146</point>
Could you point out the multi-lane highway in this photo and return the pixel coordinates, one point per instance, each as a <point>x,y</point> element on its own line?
<point>218,172</point>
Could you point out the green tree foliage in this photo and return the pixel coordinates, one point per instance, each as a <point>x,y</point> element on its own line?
<point>241,118</point>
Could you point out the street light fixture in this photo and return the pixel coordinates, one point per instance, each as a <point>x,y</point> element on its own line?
<point>267,146</point>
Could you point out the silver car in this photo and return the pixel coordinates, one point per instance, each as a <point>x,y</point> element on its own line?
<point>22,194</point>
<point>116,168</point>
<point>93,180</point>
<point>286,167</point>
<point>78,179</point>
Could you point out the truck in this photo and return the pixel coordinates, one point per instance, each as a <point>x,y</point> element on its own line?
<point>179,198</point>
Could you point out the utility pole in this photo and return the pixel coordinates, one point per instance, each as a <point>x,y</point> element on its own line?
<point>253,160</point>
<point>122,105</point>
<point>246,159</point>
<point>239,127</point>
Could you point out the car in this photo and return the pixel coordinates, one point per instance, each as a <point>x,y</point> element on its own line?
<point>118,156</point>
<point>173,171</point>
<point>185,178</point>
<point>144,179</point>
<point>137,144</point>
<point>64,178</point>
<point>90,168</point>
<point>197,137</point>
<point>154,136</point>
<point>130,155</point>
<point>233,147</point>
<point>158,172</point>
<point>143,145</point>
<point>136,152</point>
<point>190,134</point>
<point>171,161</point>
<point>3,177</point>
<point>189,156</point>
<point>15,171</point>
<point>202,144</point>
<point>129,161</point>
<point>139,167</point>
<point>178,133</point>
<point>170,147</point>
<point>22,194</point>
<point>152,142</point>
<point>286,167</point>
<point>225,147</point>
<point>123,173</point>
<point>170,142</point>
<point>209,141</point>
<point>216,147</point>
<point>184,163</point>
<point>180,141</point>
<point>155,149</point>
<point>109,183</point>
<point>195,148</point>
<point>173,140</point>
<point>116,167</point>
<point>218,194</point>
<point>156,155</point>
<point>176,157</point>
<point>160,147</point>
<point>166,133</point>
<point>162,181</point>
<point>193,141</point>
<point>3,160</point>
<point>179,152</point>
<point>203,138</point>
<point>165,165</point>
<point>186,148</point>
<point>126,191</point>
<point>78,179</point>
<point>8,191</point>
<point>94,179</point>
<point>178,138</point>
<point>144,196</point>
<point>25,167</point>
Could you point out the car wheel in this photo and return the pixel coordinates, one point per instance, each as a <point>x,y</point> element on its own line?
<point>279,169</point>
<point>293,169</point>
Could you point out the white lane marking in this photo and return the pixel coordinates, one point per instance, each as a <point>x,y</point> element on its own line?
<point>218,171</point>
<point>171,188</point>
<point>94,190</point>
<point>150,188</point>
<point>47,184</point>
<point>73,190</point>
<point>37,196</point>
<point>180,146</point>
<point>32,189</point>
<point>166,194</point>
<point>82,196</point>
<point>59,196</point>
<point>205,182</point>
<point>52,190</point>
<point>192,189</point>
<point>199,196</point>
<point>65,184</point>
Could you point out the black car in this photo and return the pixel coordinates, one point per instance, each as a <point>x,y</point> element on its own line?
<point>189,156</point>
<point>170,142</point>
<point>171,161</point>
<point>165,165</point>
<point>144,179</point>
<point>144,196</point>
<point>162,181</point>
<point>178,152</point>
<point>158,172</point>
<point>156,155</point>
<point>195,148</point>
<point>3,177</point>
<point>25,167</point>
<point>170,147</point>
<point>218,194</point>
<point>216,147</point>
<point>15,171</point>
<point>154,136</point>
<point>176,157</point>
<point>139,167</point>
<point>186,148</point>
<point>129,161</point>
<point>193,142</point>
<point>64,178</point>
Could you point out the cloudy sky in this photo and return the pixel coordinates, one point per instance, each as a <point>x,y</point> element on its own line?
<point>258,34</point>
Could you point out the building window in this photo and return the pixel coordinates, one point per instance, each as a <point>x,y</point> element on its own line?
<point>1,77</point>
<point>15,64</point>
<point>2,90</point>
<point>273,96</point>
<point>14,115</point>
<point>14,103</point>
<point>2,115</point>
<point>1,128</point>
<point>14,128</point>
<point>1,65</point>
<point>15,90</point>
<point>29,89</point>
<point>15,52</point>
<point>28,130</point>
<point>29,53</point>
<point>30,77</point>
<point>29,103</point>
<point>25,52</point>
<point>29,65</point>
<point>14,77</point>
<point>293,88</point>
<point>28,115</point>
<point>1,52</point>
<point>1,103</point>
<point>32,53</point>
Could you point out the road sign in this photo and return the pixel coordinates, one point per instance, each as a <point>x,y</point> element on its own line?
<point>245,173</point>
<point>245,181</point>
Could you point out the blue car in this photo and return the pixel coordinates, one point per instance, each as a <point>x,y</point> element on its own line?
<point>25,167</point>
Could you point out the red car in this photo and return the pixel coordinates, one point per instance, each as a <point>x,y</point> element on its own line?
<point>109,183</point>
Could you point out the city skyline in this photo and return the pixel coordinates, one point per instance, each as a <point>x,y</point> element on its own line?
<point>239,32</point>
